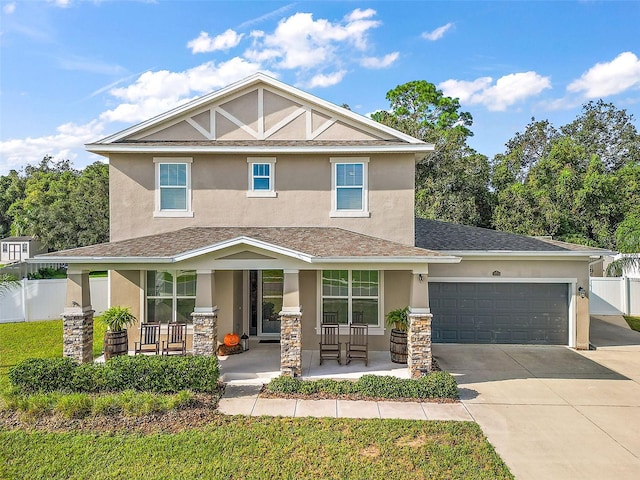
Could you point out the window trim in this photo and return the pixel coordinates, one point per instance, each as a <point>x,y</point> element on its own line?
<point>344,328</point>
<point>174,295</point>
<point>364,211</point>
<point>158,212</point>
<point>271,193</point>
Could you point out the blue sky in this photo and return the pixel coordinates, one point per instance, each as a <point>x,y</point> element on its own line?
<point>72,72</point>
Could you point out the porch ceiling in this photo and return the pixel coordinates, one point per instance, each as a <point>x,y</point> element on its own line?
<point>309,244</point>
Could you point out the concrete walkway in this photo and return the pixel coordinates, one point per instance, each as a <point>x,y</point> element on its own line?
<point>244,400</point>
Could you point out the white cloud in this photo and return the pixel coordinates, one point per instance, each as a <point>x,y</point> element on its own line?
<point>204,43</point>
<point>609,78</point>
<point>9,8</point>
<point>300,41</point>
<point>438,33</point>
<point>60,3</point>
<point>70,137</point>
<point>507,90</point>
<point>326,80</point>
<point>384,62</point>
<point>155,92</point>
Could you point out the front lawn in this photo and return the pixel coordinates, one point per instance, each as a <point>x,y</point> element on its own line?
<point>230,447</point>
<point>634,322</point>
<point>262,447</point>
<point>36,339</point>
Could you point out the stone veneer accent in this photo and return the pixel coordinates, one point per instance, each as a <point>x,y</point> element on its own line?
<point>78,335</point>
<point>419,344</point>
<point>291,344</point>
<point>205,333</point>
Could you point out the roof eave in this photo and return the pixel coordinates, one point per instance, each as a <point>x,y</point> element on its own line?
<point>107,149</point>
<point>400,259</point>
<point>525,253</point>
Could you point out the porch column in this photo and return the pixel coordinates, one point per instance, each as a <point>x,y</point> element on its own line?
<point>291,326</point>
<point>205,315</point>
<point>77,318</point>
<point>419,356</point>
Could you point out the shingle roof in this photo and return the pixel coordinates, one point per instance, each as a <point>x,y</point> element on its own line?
<point>316,242</point>
<point>451,237</point>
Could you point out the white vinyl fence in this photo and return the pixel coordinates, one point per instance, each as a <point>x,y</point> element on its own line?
<point>44,299</point>
<point>614,296</point>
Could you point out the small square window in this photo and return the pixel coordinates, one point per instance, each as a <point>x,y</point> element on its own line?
<point>261,177</point>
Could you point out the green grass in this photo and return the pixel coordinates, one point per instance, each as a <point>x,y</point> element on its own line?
<point>634,323</point>
<point>236,447</point>
<point>261,447</point>
<point>36,339</point>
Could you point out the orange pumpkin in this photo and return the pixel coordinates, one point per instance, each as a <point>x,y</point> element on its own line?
<point>231,339</point>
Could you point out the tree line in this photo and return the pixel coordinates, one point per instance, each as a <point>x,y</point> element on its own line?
<point>579,182</point>
<point>61,206</point>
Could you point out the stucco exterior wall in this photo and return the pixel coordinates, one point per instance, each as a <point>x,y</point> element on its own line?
<point>125,289</point>
<point>303,185</point>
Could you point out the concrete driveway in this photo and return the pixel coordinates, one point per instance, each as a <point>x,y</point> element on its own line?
<point>552,412</point>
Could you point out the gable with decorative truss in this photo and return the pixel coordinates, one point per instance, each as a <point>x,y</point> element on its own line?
<point>259,112</point>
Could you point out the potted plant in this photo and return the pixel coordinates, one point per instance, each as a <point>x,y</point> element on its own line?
<point>115,338</point>
<point>399,320</point>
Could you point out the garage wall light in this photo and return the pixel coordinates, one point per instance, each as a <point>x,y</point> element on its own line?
<point>582,292</point>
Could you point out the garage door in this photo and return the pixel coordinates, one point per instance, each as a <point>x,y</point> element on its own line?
<point>533,313</point>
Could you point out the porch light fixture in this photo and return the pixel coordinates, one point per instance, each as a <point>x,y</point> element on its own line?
<point>496,273</point>
<point>420,277</point>
<point>582,292</point>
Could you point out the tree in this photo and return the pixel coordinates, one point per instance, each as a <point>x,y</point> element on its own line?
<point>61,206</point>
<point>606,132</point>
<point>419,109</point>
<point>12,188</point>
<point>452,183</point>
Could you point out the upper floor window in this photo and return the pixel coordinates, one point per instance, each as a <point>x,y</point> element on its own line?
<point>173,187</point>
<point>349,187</point>
<point>261,177</point>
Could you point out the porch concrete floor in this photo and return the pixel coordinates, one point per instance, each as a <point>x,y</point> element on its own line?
<point>261,363</point>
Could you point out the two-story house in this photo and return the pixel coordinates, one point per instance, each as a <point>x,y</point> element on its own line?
<point>259,207</point>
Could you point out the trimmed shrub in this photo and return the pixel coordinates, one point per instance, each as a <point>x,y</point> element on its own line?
<point>142,373</point>
<point>88,378</point>
<point>43,374</point>
<point>162,374</point>
<point>434,385</point>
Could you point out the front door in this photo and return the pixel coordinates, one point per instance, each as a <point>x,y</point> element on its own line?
<point>265,287</point>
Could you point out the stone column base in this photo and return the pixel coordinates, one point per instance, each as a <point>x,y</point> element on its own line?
<point>291,344</point>
<point>419,358</point>
<point>77,336</point>
<point>205,333</point>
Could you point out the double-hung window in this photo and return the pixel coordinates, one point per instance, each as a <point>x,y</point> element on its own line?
<point>171,295</point>
<point>262,177</point>
<point>351,296</point>
<point>349,187</point>
<point>173,187</point>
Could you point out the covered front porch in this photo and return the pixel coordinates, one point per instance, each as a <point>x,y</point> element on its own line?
<point>200,276</point>
<point>261,363</point>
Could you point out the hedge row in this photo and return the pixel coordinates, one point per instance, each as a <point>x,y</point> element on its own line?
<point>434,385</point>
<point>159,374</point>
